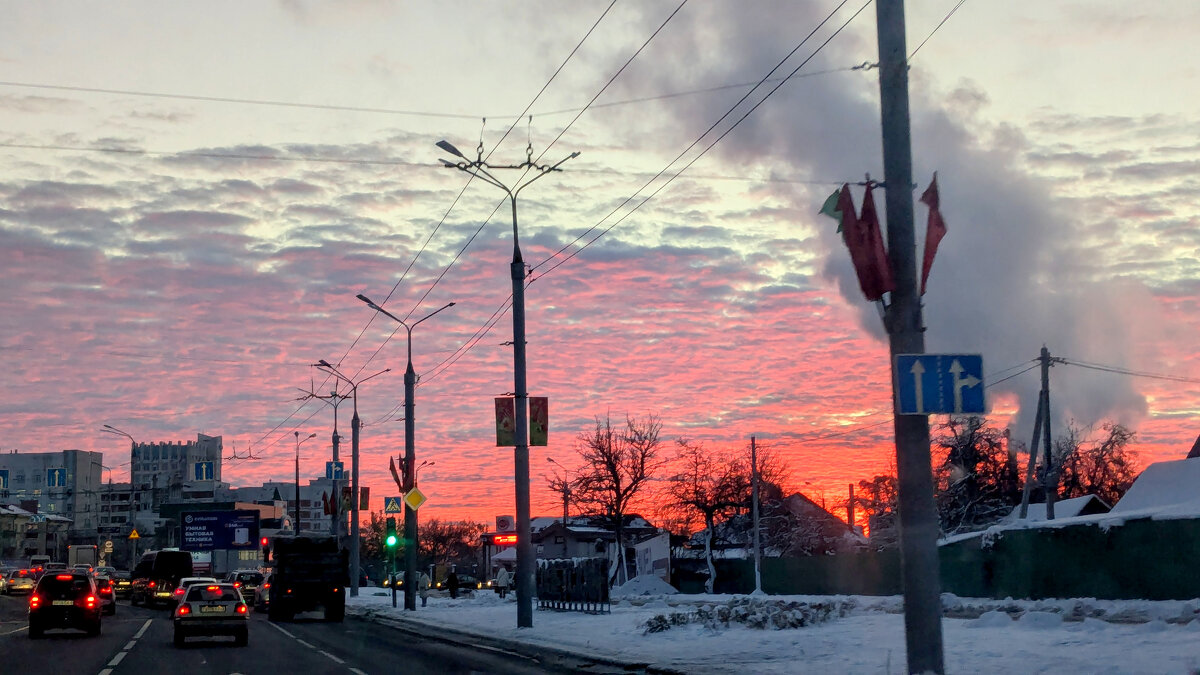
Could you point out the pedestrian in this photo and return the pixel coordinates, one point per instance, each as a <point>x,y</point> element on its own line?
<point>452,582</point>
<point>423,584</point>
<point>503,578</point>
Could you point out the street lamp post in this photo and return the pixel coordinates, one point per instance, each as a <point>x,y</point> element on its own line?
<point>566,490</point>
<point>410,481</point>
<point>417,472</point>
<point>298,442</point>
<point>355,424</point>
<point>479,169</point>
<point>133,488</point>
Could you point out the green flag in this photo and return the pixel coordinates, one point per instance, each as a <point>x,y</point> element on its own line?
<point>830,207</point>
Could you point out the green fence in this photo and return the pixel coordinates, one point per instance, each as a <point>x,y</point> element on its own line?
<point>1148,559</point>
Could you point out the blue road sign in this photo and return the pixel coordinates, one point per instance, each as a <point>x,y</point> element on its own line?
<point>939,384</point>
<point>393,505</point>
<point>335,471</point>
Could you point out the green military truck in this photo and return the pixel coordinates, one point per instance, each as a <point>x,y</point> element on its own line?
<point>309,573</point>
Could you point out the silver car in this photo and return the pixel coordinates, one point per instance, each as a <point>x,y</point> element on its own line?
<point>19,581</point>
<point>212,609</point>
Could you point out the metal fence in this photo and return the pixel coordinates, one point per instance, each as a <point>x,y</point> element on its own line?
<point>576,585</point>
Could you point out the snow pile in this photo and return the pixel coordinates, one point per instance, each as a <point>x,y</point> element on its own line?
<point>643,584</point>
<point>753,613</point>
<point>1165,489</point>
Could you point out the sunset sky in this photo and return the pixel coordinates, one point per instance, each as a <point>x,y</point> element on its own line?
<point>192,194</point>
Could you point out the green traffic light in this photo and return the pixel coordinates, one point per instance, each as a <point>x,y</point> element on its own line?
<point>391,540</point>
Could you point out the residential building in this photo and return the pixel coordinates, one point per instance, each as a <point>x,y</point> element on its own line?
<point>313,498</point>
<point>64,484</point>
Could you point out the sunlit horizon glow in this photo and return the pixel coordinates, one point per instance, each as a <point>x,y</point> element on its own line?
<point>186,284</point>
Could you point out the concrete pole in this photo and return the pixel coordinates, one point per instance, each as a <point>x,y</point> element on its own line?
<point>335,516</point>
<point>1051,477</point>
<point>1033,450</point>
<point>410,515</point>
<point>754,510</point>
<point>297,509</point>
<point>525,561</point>
<point>355,425</point>
<point>566,503</point>
<point>918,514</point>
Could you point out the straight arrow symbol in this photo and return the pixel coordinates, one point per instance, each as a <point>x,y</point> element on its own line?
<point>917,371</point>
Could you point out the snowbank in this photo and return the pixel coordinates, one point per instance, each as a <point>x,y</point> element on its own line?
<point>644,584</point>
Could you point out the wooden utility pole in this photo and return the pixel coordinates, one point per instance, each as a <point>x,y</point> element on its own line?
<point>754,517</point>
<point>918,514</point>
<point>1050,478</point>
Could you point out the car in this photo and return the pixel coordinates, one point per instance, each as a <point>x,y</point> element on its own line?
<point>122,584</point>
<point>110,572</point>
<point>108,598</point>
<point>85,568</point>
<point>246,581</point>
<point>262,595</point>
<point>4,571</point>
<point>156,575</point>
<point>211,609</point>
<point>185,582</point>
<point>19,581</point>
<point>64,600</point>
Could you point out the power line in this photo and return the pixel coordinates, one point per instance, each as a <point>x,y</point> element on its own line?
<point>1126,371</point>
<point>186,154</point>
<point>701,137</point>
<point>935,28</point>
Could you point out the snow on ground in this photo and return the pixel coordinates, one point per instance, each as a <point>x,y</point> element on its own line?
<point>1053,636</point>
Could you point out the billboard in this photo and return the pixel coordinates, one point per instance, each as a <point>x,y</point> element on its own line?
<point>217,530</point>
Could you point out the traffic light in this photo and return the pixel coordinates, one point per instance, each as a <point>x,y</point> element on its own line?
<point>266,548</point>
<point>389,538</point>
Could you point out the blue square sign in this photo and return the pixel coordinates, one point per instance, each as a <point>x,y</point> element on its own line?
<point>939,384</point>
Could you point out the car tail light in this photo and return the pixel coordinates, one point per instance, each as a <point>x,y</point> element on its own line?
<point>213,588</point>
<point>90,601</point>
<point>336,589</point>
<point>63,577</point>
<point>242,609</point>
<point>151,585</point>
<point>35,601</point>
<point>178,591</point>
<point>183,610</point>
<point>237,584</point>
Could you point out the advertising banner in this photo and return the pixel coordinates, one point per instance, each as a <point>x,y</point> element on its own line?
<point>217,530</point>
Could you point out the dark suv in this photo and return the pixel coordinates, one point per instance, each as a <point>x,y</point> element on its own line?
<point>156,576</point>
<point>246,581</point>
<point>65,600</point>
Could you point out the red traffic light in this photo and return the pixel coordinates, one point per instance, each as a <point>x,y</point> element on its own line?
<point>265,541</point>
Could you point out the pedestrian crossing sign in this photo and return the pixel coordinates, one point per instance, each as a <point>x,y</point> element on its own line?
<point>392,505</point>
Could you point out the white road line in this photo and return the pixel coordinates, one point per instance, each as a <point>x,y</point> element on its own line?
<point>305,643</point>
<point>16,630</point>
<point>331,656</point>
<point>272,625</point>
<point>142,630</point>
<point>106,671</point>
<point>117,659</point>
<point>129,645</point>
<point>356,671</point>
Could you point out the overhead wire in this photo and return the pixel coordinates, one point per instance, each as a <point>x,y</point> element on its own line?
<point>935,28</point>
<point>1126,371</point>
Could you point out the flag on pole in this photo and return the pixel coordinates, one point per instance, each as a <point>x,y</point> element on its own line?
<point>935,228</point>
<point>877,266</point>
<point>325,503</point>
<point>864,241</point>
<point>395,476</point>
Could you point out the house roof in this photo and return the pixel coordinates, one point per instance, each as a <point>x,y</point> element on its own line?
<point>1067,508</point>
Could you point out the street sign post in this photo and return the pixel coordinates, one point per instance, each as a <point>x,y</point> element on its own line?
<point>335,471</point>
<point>939,384</point>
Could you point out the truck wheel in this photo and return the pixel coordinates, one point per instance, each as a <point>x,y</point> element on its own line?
<point>337,614</point>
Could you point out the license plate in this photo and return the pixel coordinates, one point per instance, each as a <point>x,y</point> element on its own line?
<point>212,610</point>
<point>66,603</point>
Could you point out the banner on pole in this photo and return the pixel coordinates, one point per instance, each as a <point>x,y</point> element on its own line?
<point>539,420</point>
<point>506,421</point>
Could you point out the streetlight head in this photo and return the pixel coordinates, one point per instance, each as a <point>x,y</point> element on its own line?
<point>367,300</point>
<point>325,363</point>
<point>449,147</point>
<point>447,163</point>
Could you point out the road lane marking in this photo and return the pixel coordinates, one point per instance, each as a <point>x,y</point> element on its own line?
<point>17,630</point>
<point>281,630</point>
<point>305,643</point>
<point>129,645</point>
<point>331,656</point>
<point>142,630</point>
<point>356,671</point>
<point>106,671</point>
<point>116,660</point>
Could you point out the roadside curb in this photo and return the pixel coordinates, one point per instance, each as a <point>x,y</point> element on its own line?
<point>490,642</point>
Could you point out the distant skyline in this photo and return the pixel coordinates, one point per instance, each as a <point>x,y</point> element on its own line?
<point>176,256</point>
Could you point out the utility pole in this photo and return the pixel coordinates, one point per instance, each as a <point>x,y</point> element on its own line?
<point>1050,478</point>
<point>905,326</point>
<point>525,553</point>
<point>754,511</point>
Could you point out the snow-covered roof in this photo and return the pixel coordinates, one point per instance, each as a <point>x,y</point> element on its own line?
<point>1067,508</point>
<point>1165,489</point>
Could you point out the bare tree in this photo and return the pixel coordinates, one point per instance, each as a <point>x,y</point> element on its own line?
<point>878,498</point>
<point>445,542</point>
<point>711,485</point>
<point>617,466</point>
<point>977,480</point>
<point>1105,468</point>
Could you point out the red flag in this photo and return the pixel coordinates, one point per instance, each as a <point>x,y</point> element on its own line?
<point>876,278</point>
<point>935,229</point>
<point>325,503</point>
<point>395,476</point>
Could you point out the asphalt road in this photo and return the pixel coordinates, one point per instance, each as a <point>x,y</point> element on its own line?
<point>137,641</point>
